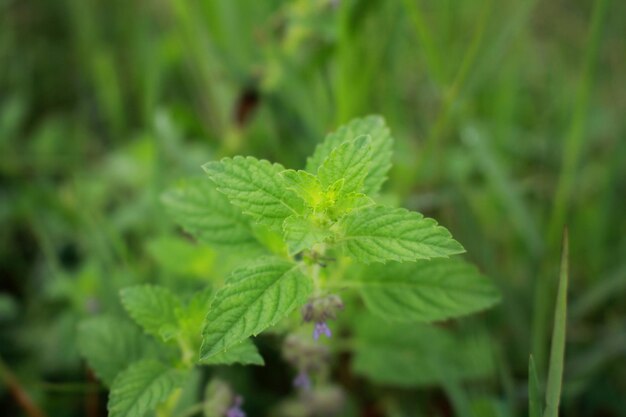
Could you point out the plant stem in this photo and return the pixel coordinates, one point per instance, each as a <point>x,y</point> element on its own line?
<point>18,392</point>
<point>193,409</point>
<point>316,268</point>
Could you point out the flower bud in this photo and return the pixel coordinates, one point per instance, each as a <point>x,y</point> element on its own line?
<point>218,397</point>
<point>321,309</point>
<point>305,355</point>
<point>221,401</point>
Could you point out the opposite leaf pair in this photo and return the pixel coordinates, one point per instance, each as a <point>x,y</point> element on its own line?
<point>254,207</point>
<point>332,201</point>
<point>143,372</point>
<point>329,207</point>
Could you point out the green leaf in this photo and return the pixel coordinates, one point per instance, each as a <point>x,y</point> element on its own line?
<point>256,188</point>
<point>244,353</point>
<point>109,345</point>
<point>208,215</point>
<point>191,316</point>
<point>557,352</point>
<point>381,146</point>
<point>142,387</point>
<point>153,308</point>
<point>351,202</point>
<point>534,400</point>
<point>410,355</point>
<point>256,297</point>
<point>349,161</point>
<point>306,186</point>
<point>427,291</point>
<point>179,256</point>
<point>380,234</point>
<point>302,232</point>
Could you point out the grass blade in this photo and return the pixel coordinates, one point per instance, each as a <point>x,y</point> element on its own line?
<point>534,401</point>
<point>555,372</point>
<point>573,147</point>
<point>574,142</point>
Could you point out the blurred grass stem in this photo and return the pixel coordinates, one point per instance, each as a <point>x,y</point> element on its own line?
<point>21,397</point>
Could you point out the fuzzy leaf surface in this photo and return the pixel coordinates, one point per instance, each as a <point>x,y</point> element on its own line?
<point>301,233</point>
<point>207,214</point>
<point>244,353</point>
<point>349,161</point>
<point>305,185</point>
<point>142,387</point>
<point>413,355</point>
<point>152,307</point>
<point>109,345</point>
<point>256,187</point>
<point>255,298</point>
<point>380,234</point>
<point>427,291</point>
<point>381,147</point>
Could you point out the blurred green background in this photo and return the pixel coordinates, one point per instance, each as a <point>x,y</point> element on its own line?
<point>509,124</point>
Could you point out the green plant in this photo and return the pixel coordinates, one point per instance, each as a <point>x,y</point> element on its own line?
<point>311,232</point>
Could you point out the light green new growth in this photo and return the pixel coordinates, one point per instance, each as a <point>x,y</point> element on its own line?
<point>381,145</point>
<point>349,162</point>
<point>301,232</point>
<point>307,186</point>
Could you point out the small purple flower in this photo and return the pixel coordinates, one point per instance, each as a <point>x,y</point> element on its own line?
<point>321,328</point>
<point>235,409</point>
<point>302,381</point>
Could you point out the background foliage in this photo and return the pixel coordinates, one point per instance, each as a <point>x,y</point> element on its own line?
<point>508,124</point>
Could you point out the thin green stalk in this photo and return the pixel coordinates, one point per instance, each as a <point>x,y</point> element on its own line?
<point>216,98</point>
<point>575,138</point>
<point>433,142</point>
<point>573,146</point>
<point>557,354</point>
<point>425,39</point>
<point>457,396</point>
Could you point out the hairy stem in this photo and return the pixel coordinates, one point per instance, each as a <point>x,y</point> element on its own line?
<point>316,268</point>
